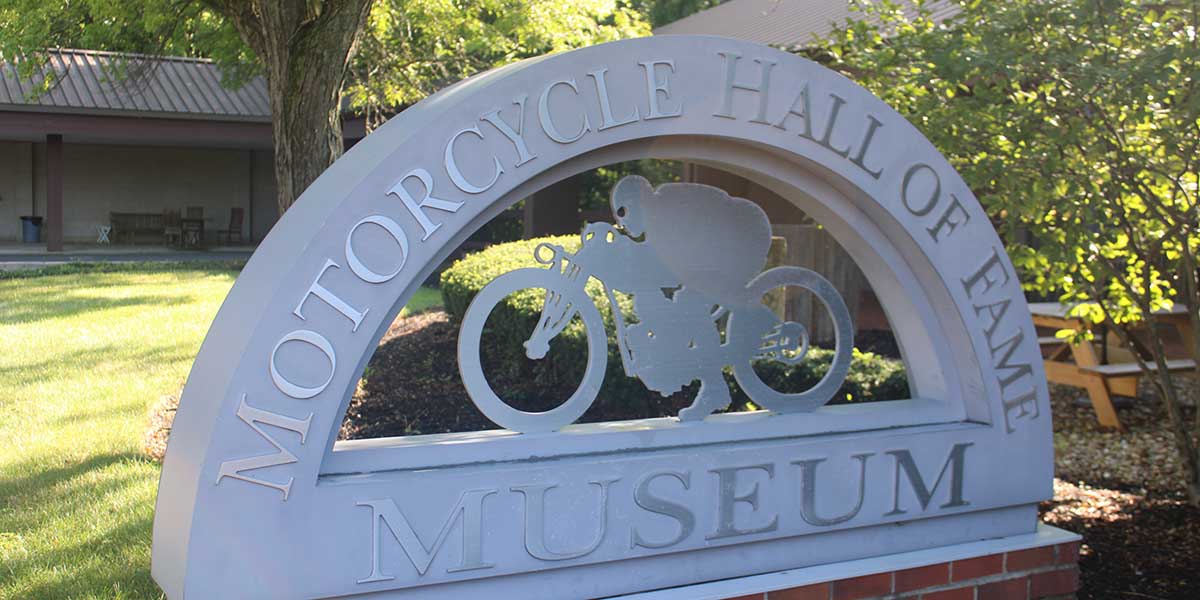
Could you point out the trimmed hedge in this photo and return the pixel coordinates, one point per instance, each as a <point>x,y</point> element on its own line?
<point>468,275</point>
<point>872,377</point>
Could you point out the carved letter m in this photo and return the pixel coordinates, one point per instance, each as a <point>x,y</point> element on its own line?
<point>905,464</point>
<point>385,513</point>
<point>255,418</point>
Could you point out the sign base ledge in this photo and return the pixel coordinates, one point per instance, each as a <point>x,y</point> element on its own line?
<point>1045,535</point>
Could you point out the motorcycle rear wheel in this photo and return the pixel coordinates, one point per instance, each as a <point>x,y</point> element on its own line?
<point>815,397</point>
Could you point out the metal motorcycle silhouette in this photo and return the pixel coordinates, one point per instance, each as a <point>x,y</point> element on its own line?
<point>692,258</point>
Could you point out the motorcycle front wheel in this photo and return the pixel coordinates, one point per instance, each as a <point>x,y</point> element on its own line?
<point>470,348</point>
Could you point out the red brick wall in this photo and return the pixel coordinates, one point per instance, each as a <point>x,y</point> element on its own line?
<point>1036,573</point>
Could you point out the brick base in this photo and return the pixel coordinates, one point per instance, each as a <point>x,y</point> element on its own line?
<point>1031,574</point>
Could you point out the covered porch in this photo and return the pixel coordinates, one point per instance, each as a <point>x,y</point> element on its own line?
<point>98,152</point>
<point>121,189</point>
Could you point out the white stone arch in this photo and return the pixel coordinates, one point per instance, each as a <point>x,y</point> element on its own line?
<point>254,492</point>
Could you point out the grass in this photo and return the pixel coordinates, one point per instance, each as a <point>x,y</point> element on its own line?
<point>424,299</point>
<point>85,352</point>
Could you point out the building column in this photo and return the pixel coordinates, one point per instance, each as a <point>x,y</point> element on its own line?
<point>54,193</point>
<point>554,210</point>
<point>249,197</point>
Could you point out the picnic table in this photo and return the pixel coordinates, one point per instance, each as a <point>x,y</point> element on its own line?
<point>1086,366</point>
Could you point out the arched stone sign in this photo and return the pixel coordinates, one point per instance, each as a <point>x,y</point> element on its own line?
<point>256,499</point>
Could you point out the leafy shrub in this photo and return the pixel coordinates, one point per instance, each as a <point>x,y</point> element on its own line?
<point>872,377</point>
<point>513,320</point>
<point>467,276</point>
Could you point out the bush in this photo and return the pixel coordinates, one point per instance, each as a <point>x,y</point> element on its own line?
<point>872,377</point>
<point>467,276</point>
<point>513,320</point>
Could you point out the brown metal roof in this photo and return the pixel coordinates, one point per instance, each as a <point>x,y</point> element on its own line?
<point>784,23</point>
<point>154,87</point>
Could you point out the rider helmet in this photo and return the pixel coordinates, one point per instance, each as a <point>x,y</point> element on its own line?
<point>627,197</point>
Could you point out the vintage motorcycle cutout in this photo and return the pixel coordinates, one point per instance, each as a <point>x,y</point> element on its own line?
<point>692,258</point>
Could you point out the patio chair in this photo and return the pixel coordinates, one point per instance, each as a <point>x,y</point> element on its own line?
<point>193,227</point>
<point>234,230</point>
<point>172,227</point>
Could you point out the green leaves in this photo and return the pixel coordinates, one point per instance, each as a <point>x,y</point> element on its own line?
<point>155,27</point>
<point>409,49</point>
<point>412,48</point>
<point>1074,121</point>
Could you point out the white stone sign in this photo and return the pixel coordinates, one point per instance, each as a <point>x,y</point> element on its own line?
<point>257,500</point>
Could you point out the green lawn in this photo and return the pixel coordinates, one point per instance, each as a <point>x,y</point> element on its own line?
<point>423,300</point>
<point>83,354</point>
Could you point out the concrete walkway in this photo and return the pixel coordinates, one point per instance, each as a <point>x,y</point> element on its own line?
<point>28,256</point>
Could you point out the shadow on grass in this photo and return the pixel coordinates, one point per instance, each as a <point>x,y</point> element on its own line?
<point>41,306</point>
<point>87,359</point>
<point>113,555</point>
<point>115,561</point>
<point>39,477</point>
<point>212,267</point>
<point>64,291</point>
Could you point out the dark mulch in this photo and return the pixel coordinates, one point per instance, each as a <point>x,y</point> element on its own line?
<point>1141,460</point>
<point>1120,492</point>
<point>1134,546</point>
<point>412,386</point>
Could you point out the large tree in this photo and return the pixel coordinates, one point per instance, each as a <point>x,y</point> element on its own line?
<point>1077,123</point>
<point>413,48</point>
<point>306,49</point>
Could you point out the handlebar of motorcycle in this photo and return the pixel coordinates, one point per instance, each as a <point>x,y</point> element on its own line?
<point>555,250</point>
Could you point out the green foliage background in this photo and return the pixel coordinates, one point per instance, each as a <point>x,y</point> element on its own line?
<point>1075,122</point>
<point>408,50</point>
<point>412,48</point>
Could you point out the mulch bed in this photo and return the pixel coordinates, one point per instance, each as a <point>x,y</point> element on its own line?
<point>412,386</point>
<point>1142,460</point>
<point>158,429</point>
<point>1121,492</point>
<point>1134,546</point>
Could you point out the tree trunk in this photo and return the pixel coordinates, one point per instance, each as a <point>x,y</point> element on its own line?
<point>1191,298</point>
<point>1163,381</point>
<point>1179,427</point>
<point>305,49</point>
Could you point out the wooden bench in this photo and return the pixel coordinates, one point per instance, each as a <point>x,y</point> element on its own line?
<point>1101,381</point>
<point>1133,370</point>
<point>1053,348</point>
<point>129,225</point>
<point>1084,365</point>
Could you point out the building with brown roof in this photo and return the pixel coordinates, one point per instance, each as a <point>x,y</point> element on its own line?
<point>164,136</point>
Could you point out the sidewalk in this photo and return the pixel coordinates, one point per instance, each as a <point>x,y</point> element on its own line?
<point>28,256</point>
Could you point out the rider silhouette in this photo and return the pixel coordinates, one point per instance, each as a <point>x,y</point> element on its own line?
<point>681,251</point>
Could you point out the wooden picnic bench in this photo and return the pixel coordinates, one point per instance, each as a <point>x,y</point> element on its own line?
<point>1083,365</point>
<point>128,225</point>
